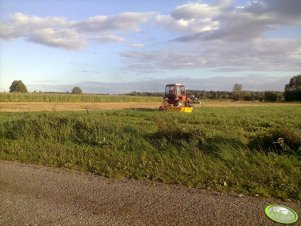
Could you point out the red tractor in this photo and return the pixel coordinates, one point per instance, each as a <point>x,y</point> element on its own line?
<point>175,99</point>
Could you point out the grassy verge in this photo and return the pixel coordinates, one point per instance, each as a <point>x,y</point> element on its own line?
<point>43,97</point>
<point>252,150</point>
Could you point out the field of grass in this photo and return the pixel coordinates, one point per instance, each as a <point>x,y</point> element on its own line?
<point>44,97</point>
<point>249,150</point>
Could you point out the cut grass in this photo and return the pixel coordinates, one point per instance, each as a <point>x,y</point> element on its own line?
<point>228,149</point>
<point>72,106</point>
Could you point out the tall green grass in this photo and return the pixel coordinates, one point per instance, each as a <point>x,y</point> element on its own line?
<point>44,97</point>
<point>248,150</point>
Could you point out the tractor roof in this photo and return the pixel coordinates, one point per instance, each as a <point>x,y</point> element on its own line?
<point>174,84</point>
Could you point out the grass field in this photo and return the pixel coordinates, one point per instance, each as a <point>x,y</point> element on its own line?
<point>73,106</point>
<point>249,150</point>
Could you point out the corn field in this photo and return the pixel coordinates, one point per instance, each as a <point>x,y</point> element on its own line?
<point>53,97</point>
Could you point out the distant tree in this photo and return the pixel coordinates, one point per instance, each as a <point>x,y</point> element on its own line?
<point>77,90</point>
<point>292,91</point>
<point>271,96</point>
<point>237,87</point>
<point>237,91</point>
<point>294,84</point>
<point>18,86</point>
<point>247,95</point>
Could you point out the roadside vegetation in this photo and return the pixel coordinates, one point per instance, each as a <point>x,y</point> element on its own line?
<point>249,150</point>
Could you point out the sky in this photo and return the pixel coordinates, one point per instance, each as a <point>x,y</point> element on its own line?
<point>110,46</point>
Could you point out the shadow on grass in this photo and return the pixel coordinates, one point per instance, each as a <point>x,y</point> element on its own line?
<point>144,109</point>
<point>215,144</point>
<point>279,140</point>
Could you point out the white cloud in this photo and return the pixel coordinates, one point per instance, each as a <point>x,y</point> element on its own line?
<point>8,32</point>
<point>283,11</point>
<point>220,20</point>
<point>258,55</point>
<point>50,31</point>
<point>195,10</point>
<point>224,37</point>
<point>25,20</point>
<point>192,25</point>
<point>158,60</point>
<point>67,39</point>
<point>191,18</point>
<point>73,35</point>
<point>219,36</point>
<point>137,45</point>
<point>21,25</point>
<point>120,22</point>
<point>245,22</point>
<point>107,37</point>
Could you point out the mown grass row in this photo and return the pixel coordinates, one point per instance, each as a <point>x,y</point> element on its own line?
<point>43,97</point>
<point>248,150</point>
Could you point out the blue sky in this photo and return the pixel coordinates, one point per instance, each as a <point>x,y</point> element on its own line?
<point>120,46</point>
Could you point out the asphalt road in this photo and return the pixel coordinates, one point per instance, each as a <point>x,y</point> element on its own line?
<point>39,195</point>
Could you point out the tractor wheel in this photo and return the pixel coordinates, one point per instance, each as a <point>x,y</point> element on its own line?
<point>180,103</point>
<point>165,103</point>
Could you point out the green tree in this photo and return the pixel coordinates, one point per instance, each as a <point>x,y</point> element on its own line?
<point>18,86</point>
<point>237,92</point>
<point>293,89</point>
<point>271,96</point>
<point>77,90</point>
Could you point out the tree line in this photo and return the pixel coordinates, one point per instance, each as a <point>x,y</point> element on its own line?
<point>293,89</point>
<point>292,92</point>
<point>225,95</point>
<point>18,86</point>
<point>237,96</point>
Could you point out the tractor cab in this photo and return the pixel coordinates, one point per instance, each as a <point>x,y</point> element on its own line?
<point>175,94</point>
<point>175,99</point>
